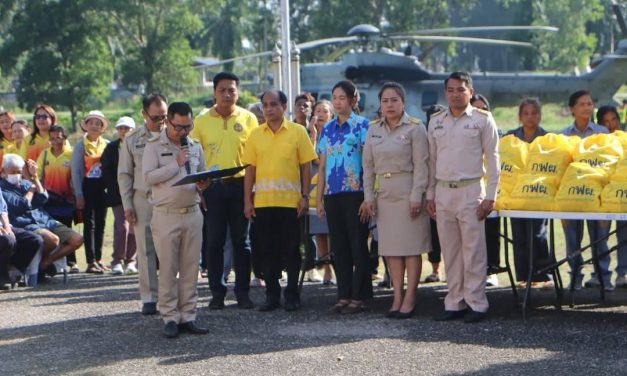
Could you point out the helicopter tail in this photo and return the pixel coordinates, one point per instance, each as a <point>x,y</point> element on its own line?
<point>609,74</point>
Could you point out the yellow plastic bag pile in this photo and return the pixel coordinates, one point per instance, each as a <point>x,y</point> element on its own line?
<point>550,155</point>
<point>533,192</point>
<point>614,194</point>
<point>580,188</point>
<point>513,156</point>
<point>599,150</point>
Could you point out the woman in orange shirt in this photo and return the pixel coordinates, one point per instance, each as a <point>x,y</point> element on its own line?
<point>44,117</point>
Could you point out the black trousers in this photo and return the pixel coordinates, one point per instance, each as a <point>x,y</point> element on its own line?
<point>225,203</point>
<point>521,246</point>
<point>493,241</point>
<point>349,244</point>
<point>18,251</point>
<point>277,240</point>
<point>435,256</point>
<point>94,217</point>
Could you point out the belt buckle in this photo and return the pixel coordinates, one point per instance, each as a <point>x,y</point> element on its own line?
<point>387,175</point>
<point>452,185</point>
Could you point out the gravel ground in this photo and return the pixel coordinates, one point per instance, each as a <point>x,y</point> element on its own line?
<point>92,326</point>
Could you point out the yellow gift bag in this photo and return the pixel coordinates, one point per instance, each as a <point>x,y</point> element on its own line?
<point>620,173</point>
<point>602,150</point>
<point>533,192</point>
<point>580,188</point>
<point>614,197</point>
<point>622,138</point>
<point>513,156</point>
<point>549,155</point>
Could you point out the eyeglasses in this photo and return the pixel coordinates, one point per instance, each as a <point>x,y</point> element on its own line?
<point>42,116</point>
<point>180,128</point>
<point>157,118</point>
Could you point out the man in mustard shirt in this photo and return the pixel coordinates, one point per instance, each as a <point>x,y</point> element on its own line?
<point>222,131</point>
<point>279,153</point>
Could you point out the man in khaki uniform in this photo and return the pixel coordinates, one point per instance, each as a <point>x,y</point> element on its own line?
<point>135,193</point>
<point>176,221</point>
<point>459,139</point>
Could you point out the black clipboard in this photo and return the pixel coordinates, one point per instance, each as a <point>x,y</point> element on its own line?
<point>218,174</point>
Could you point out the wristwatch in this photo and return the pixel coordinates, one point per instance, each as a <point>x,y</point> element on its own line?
<point>305,196</point>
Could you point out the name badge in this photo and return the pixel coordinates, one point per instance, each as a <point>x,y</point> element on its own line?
<point>140,146</point>
<point>166,154</point>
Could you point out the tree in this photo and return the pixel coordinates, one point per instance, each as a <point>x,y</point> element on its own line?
<point>155,38</point>
<point>67,62</point>
<point>571,46</point>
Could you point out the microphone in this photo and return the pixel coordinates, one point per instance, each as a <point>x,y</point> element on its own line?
<point>185,144</point>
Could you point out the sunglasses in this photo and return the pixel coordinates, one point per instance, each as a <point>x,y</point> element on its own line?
<point>42,116</point>
<point>157,118</point>
<point>180,128</point>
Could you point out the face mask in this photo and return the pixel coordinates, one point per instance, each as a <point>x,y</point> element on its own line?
<point>14,178</point>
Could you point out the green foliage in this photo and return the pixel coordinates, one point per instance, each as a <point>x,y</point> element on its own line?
<point>155,53</point>
<point>66,63</point>
<point>571,46</point>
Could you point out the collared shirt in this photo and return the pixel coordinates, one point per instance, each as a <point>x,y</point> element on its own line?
<point>223,138</point>
<point>55,172</point>
<point>34,147</point>
<point>161,170</point>
<point>343,146</point>
<point>277,158</point>
<point>457,147</point>
<point>520,133</point>
<point>590,129</point>
<point>29,215</point>
<point>130,176</point>
<point>404,149</point>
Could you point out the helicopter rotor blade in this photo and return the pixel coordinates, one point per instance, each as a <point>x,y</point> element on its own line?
<point>439,38</point>
<point>476,29</point>
<point>325,41</point>
<point>233,59</point>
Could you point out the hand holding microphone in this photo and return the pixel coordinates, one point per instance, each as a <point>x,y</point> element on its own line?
<point>183,157</point>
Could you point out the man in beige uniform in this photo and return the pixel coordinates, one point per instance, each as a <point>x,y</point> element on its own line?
<point>134,192</point>
<point>176,221</point>
<point>459,138</point>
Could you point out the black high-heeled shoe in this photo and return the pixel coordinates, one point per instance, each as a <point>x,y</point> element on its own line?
<point>406,315</point>
<point>392,314</point>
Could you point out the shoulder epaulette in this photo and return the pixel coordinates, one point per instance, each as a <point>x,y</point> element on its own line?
<point>134,131</point>
<point>438,113</point>
<point>413,120</point>
<point>374,122</point>
<point>482,111</point>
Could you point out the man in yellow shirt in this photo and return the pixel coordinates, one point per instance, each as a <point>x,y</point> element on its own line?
<point>279,153</point>
<point>222,131</point>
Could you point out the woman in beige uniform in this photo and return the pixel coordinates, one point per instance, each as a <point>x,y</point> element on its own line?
<point>396,153</point>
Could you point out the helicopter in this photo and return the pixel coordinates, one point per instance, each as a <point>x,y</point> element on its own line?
<point>369,68</point>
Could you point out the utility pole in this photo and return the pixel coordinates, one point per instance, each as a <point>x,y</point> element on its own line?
<point>286,60</point>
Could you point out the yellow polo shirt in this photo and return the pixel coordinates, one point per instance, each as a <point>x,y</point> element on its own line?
<point>277,158</point>
<point>58,173</point>
<point>223,139</point>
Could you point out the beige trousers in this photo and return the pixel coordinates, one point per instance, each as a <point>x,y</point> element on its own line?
<point>146,255</point>
<point>462,239</point>
<point>178,239</point>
